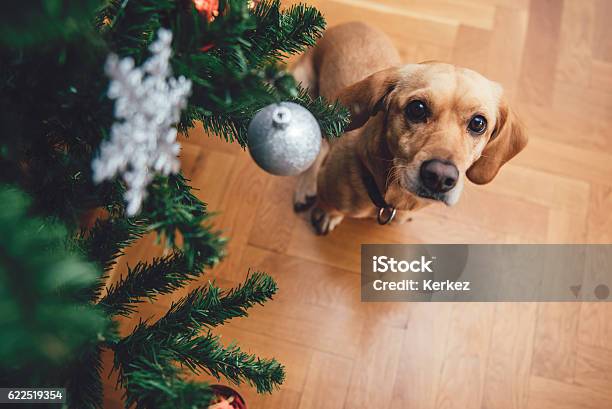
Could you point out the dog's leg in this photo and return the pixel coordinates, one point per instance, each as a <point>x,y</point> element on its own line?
<point>305,193</point>
<point>305,73</point>
<point>325,220</point>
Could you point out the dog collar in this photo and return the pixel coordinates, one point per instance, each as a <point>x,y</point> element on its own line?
<point>386,212</point>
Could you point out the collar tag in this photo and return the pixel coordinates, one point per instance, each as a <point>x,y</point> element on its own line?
<point>386,215</point>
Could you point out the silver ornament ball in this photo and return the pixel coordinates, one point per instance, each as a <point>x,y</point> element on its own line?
<point>284,138</point>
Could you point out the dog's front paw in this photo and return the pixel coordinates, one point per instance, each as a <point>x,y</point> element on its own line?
<point>305,194</point>
<point>301,204</point>
<point>323,222</point>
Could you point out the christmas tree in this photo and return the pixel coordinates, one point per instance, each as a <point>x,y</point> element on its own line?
<point>92,95</point>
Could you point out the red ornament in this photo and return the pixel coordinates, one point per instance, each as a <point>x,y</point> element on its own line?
<point>210,8</point>
<point>225,397</point>
<point>207,47</point>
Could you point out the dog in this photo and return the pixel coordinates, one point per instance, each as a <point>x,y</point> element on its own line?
<point>416,131</point>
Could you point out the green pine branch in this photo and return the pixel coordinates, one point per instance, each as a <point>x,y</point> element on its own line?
<point>172,209</point>
<point>283,33</point>
<point>152,384</point>
<point>130,26</point>
<point>84,380</point>
<point>200,354</point>
<point>175,336</point>
<point>333,117</point>
<point>277,86</point>
<point>106,241</point>
<point>206,354</point>
<point>148,280</point>
<point>209,306</point>
<point>43,22</point>
<point>38,279</point>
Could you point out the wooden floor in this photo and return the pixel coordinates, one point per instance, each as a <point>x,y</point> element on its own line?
<point>554,57</point>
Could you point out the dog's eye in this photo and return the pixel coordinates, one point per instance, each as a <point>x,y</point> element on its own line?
<point>417,111</point>
<point>478,124</point>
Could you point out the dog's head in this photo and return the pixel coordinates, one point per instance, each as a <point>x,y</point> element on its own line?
<point>439,123</point>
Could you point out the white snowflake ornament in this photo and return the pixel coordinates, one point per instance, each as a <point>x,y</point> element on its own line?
<point>148,103</point>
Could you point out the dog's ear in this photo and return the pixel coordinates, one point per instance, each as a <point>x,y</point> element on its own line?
<point>367,97</point>
<point>507,140</point>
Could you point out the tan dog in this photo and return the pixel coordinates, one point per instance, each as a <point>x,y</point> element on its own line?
<point>415,130</point>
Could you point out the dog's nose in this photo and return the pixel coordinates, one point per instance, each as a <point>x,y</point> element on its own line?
<point>439,176</point>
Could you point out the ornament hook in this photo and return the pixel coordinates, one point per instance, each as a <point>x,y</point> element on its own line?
<point>281,116</point>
